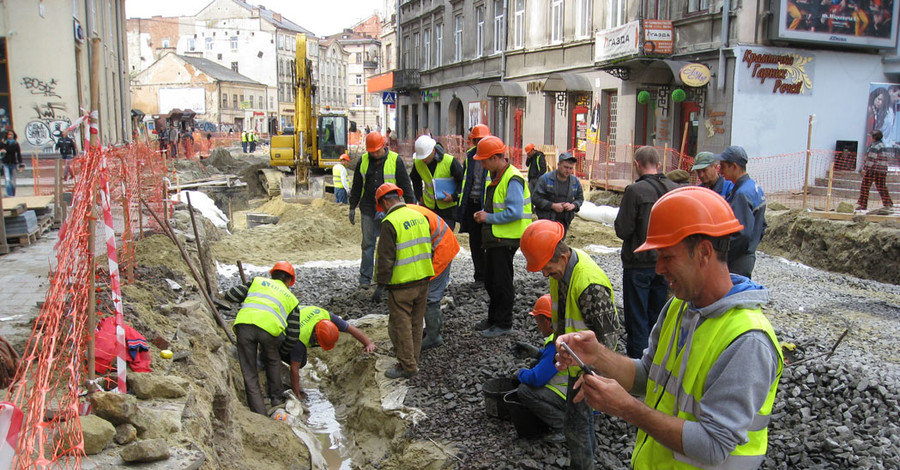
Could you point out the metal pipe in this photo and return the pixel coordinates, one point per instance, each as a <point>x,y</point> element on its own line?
<point>199,244</point>
<point>726,24</point>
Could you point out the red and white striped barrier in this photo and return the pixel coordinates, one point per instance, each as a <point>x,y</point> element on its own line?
<point>10,424</point>
<point>114,284</point>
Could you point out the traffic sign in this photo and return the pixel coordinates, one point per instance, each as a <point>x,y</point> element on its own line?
<point>388,97</point>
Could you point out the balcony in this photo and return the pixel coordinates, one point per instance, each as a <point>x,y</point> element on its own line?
<point>370,64</point>
<point>407,79</point>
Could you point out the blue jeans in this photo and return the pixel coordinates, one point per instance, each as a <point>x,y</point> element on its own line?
<point>370,228</point>
<point>579,431</point>
<point>9,174</point>
<point>340,196</point>
<point>645,294</point>
<point>437,286</point>
<point>244,146</point>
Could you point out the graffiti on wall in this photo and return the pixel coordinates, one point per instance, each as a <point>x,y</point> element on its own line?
<point>47,124</point>
<point>36,86</point>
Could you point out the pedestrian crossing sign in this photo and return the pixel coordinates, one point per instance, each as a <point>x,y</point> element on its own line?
<point>388,97</point>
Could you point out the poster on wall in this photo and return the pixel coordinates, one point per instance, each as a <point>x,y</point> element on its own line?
<point>182,98</point>
<point>857,23</point>
<point>776,71</point>
<point>881,113</point>
<point>477,113</point>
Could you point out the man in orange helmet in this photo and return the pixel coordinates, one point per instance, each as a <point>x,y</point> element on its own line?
<point>581,300</point>
<point>506,213</point>
<point>536,163</point>
<point>710,372</point>
<point>471,200</point>
<point>376,167</point>
<point>339,179</point>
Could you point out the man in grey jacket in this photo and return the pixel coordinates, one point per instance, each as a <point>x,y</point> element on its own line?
<point>558,194</point>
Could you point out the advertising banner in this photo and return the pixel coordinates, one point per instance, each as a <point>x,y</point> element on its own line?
<point>182,98</point>
<point>659,37</point>
<point>856,23</point>
<point>617,42</point>
<point>776,71</point>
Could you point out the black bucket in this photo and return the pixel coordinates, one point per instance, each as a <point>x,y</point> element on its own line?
<point>527,424</point>
<point>493,390</point>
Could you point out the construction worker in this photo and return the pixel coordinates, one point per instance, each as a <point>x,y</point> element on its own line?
<point>710,373</point>
<point>581,300</point>
<point>404,268</point>
<point>254,140</point>
<point>314,326</point>
<point>442,176</point>
<point>748,201</point>
<point>339,179</point>
<point>543,388</point>
<point>558,195</point>
<point>471,201</point>
<point>536,163</point>
<point>706,167</point>
<point>643,290</point>
<point>245,140</point>
<point>444,247</point>
<point>376,167</point>
<point>506,213</point>
<point>266,306</point>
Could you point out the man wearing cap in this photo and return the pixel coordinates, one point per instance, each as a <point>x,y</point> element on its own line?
<point>558,195</point>
<point>710,373</point>
<point>404,268</point>
<point>441,175</point>
<point>536,163</point>
<point>644,291</point>
<point>874,170</point>
<point>749,205</point>
<point>339,179</point>
<point>471,201</point>
<point>376,167</point>
<point>706,167</point>
<point>506,213</point>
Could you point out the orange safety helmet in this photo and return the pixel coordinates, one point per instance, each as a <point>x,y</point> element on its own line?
<point>326,334</point>
<point>480,131</point>
<point>542,306</point>
<point>488,147</point>
<point>284,267</point>
<point>529,148</point>
<point>539,242</point>
<point>345,157</point>
<point>374,141</point>
<point>384,189</point>
<point>685,211</point>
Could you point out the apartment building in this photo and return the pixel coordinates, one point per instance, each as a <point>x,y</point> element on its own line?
<point>364,53</point>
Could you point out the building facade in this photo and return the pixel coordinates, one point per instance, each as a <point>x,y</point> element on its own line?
<point>364,53</point>
<point>331,75</point>
<point>45,70</point>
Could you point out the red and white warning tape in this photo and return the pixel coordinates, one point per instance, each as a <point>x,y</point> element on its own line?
<point>10,425</point>
<point>114,284</point>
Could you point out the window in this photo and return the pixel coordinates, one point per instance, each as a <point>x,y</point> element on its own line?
<point>209,44</point>
<point>519,25</point>
<point>694,6</point>
<point>405,62</point>
<point>426,49</point>
<point>479,31</point>
<point>271,102</point>
<point>457,38</point>
<point>224,100</point>
<point>234,101</point>
<point>358,101</point>
<point>358,58</point>
<point>417,51</point>
<point>438,45</point>
<point>499,26</point>
<point>582,19</point>
<point>615,12</point>
<point>234,42</point>
<point>359,79</point>
<point>556,21</point>
<point>165,42</point>
<point>241,102</point>
<point>234,66</point>
<point>192,44</point>
<point>387,56</point>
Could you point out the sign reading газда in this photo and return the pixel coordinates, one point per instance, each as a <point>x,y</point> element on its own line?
<point>617,42</point>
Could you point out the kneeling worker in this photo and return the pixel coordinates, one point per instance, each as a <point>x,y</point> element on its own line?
<point>314,326</point>
<point>543,388</point>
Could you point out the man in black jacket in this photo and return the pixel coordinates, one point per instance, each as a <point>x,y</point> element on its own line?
<point>644,290</point>
<point>66,148</point>
<point>472,200</point>
<point>558,195</point>
<point>536,163</point>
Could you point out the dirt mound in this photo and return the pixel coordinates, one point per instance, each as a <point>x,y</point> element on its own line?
<point>863,249</point>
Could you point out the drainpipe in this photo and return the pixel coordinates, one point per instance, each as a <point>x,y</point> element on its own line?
<point>503,51</point>
<point>125,92</point>
<point>726,21</point>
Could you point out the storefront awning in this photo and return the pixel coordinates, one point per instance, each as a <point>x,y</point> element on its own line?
<point>511,89</point>
<point>645,68</point>
<point>567,81</point>
<point>378,83</point>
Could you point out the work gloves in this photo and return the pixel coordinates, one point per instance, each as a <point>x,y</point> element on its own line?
<point>378,294</point>
<point>525,350</point>
<point>353,216</point>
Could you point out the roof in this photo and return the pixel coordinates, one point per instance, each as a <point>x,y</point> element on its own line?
<point>269,16</point>
<point>216,71</point>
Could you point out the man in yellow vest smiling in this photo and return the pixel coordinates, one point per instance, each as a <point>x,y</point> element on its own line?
<point>712,365</point>
<point>404,268</point>
<point>441,176</point>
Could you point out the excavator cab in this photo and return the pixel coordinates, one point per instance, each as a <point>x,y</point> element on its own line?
<point>332,130</point>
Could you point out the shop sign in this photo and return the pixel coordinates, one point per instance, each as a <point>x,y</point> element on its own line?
<point>534,87</point>
<point>695,75</point>
<point>617,42</point>
<point>658,37</point>
<point>777,71</point>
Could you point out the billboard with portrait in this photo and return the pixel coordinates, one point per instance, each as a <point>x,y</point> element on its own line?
<point>883,114</point>
<point>852,23</point>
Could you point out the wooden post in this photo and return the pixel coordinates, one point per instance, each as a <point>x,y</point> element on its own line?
<point>4,248</point>
<point>632,146</point>
<point>830,181</point>
<point>140,210</point>
<point>683,144</point>
<point>57,193</point>
<point>808,156</point>
<point>92,300</point>
<point>241,271</point>
<point>96,71</point>
<point>199,244</point>
<point>665,157</point>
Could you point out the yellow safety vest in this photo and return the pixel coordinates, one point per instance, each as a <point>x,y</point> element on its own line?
<point>309,318</point>
<point>336,171</point>
<point>585,273</point>
<point>560,382</point>
<point>413,257</point>
<point>711,338</point>
<point>244,137</point>
<point>497,203</point>
<point>441,173</point>
<point>390,169</point>
<point>267,305</point>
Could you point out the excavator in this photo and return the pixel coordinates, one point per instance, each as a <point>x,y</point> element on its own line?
<point>300,155</point>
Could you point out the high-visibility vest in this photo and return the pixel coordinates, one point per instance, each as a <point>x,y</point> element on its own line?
<point>444,245</point>
<point>309,317</point>
<point>336,171</point>
<point>559,383</point>
<point>681,398</point>
<point>585,273</point>
<point>390,169</point>
<point>497,203</point>
<point>244,137</point>
<point>441,173</point>
<point>413,254</point>
<point>267,305</point>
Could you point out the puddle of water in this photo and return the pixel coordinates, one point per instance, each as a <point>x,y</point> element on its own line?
<point>323,422</point>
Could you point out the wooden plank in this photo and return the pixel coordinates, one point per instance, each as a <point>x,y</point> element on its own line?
<point>849,217</point>
<point>14,211</point>
<point>31,202</point>
<point>614,185</point>
<point>22,239</point>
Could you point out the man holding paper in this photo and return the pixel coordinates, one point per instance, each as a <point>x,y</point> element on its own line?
<point>440,174</point>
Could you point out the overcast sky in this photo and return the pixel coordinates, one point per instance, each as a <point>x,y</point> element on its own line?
<point>322,17</point>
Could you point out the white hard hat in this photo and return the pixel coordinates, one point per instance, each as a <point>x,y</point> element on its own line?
<point>424,147</point>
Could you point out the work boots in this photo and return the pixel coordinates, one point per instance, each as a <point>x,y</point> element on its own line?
<point>433,322</point>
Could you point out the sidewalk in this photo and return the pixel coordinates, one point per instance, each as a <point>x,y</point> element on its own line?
<point>24,276</point>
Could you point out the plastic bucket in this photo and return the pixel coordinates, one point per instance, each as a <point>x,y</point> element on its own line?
<point>493,390</point>
<point>527,424</point>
